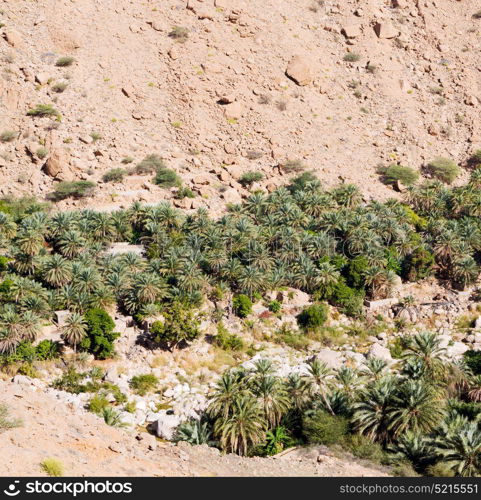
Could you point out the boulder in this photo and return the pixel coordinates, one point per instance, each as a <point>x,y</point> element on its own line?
<point>165,426</point>
<point>61,317</point>
<point>232,196</point>
<point>477,323</point>
<point>57,164</point>
<point>234,110</point>
<point>351,30</point>
<point>385,30</point>
<point>333,359</point>
<point>456,350</point>
<point>13,38</point>
<point>381,352</point>
<point>299,70</point>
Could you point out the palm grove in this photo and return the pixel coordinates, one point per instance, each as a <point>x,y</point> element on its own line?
<point>328,243</point>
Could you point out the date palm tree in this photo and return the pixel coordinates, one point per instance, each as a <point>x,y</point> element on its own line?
<point>75,329</point>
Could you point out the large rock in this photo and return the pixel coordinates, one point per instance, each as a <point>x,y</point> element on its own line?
<point>57,165</point>
<point>333,359</point>
<point>299,70</point>
<point>165,426</point>
<point>232,196</point>
<point>13,38</point>
<point>381,352</point>
<point>456,349</point>
<point>477,323</point>
<point>386,30</point>
<point>234,110</point>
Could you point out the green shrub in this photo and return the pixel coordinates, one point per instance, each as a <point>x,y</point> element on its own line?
<point>43,110</point>
<point>167,178</point>
<point>4,263</point>
<point>100,336</point>
<point>291,338</point>
<point>74,189</point>
<point>59,87</point>
<point>97,404</point>
<point>354,272</point>
<point>228,341</point>
<point>323,428</point>
<point>313,317</point>
<point>64,61</point>
<point>41,153</point>
<point>362,447</point>
<point>127,160</point>
<point>47,350</point>
<point>184,192</point>
<point>291,166</point>
<point>6,422</point>
<point>472,359</point>
<point>352,57</point>
<point>8,135</point>
<point>180,325</point>
<point>179,34</point>
<point>249,178</point>
<point>143,384</point>
<point>96,136</point>
<point>418,265</point>
<point>274,306</point>
<point>149,165</point>
<point>114,175</point>
<point>52,467</point>
<point>349,300</point>
<point>302,181</point>
<point>443,169</point>
<point>242,305</point>
<point>395,173</point>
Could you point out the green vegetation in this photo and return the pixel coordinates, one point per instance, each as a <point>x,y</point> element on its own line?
<point>59,87</point>
<point>52,467</point>
<point>443,169</point>
<point>179,34</point>
<point>249,178</point>
<point>167,178</point>
<point>114,175</point>
<point>149,165</point>
<point>397,173</point>
<point>8,135</point>
<point>242,305</point>
<point>352,57</point>
<point>74,189</point>
<point>6,422</point>
<point>313,317</point>
<point>64,61</point>
<point>41,153</point>
<point>143,384</point>
<point>43,110</point>
<point>419,417</point>
<point>100,334</point>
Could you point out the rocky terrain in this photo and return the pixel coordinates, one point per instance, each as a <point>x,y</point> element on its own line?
<point>242,86</point>
<point>88,447</point>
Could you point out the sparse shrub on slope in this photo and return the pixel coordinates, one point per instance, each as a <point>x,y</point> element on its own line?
<point>242,305</point>
<point>443,169</point>
<point>398,173</point>
<point>74,189</point>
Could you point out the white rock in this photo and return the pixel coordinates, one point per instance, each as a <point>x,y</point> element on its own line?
<point>378,351</point>
<point>165,426</point>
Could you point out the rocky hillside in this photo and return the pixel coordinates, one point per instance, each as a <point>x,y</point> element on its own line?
<point>87,447</point>
<point>218,88</point>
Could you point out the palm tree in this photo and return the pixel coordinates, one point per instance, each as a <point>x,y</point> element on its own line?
<point>243,429</point>
<point>75,329</point>
<point>416,407</point>
<point>226,393</point>
<point>299,390</point>
<point>56,271</point>
<point>272,397</point>
<point>415,447</point>
<point>322,376</point>
<point>426,347</point>
<point>462,450</point>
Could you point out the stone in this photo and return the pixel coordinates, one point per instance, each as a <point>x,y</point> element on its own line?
<point>456,350</point>
<point>234,110</point>
<point>477,323</point>
<point>332,359</point>
<point>21,380</point>
<point>381,352</point>
<point>165,426</point>
<point>351,30</point>
<point>385,30</point>
<point>42,78</point>
<point>299,70</point>
<point>13,38</point>
<point>57,164</point>
<point>232,196</point>
<point>61,317</point>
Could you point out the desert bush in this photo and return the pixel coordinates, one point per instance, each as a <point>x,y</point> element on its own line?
<point>74,189</point>
<point>114,175</point>
<point>41,153</point>
<point>184,192</point>
<point>228,341</point>
<point>363,447</point>
<point>64,61</point>
<point>242,305</point>
<point>95,136</point>
<point>167,178</point>
<point>97,404</point>
<point>143,384</point>
<point>274,306</point>
<point>292,166</point>
<point>52,467</point>
<point>352,57</point>
<point>148,165</point>
<point>320,427</point>
<point>8,135</point>
<point>302,181</point>
<point>398,173</point>
<point>6,422</point>
<point>443,169</point>
<point>43,110</point>
<point>249,178</point>
<point>59,87</point>
<point>313,317</point>
<point>179,34</point>
<point>100,336</point>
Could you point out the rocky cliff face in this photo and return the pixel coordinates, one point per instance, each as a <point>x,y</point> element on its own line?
<point>222,87</point>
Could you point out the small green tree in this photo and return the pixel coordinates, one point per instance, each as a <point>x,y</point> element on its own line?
<point>242,305</point>
<point>143,384</point>
<point>322,428</point>
<point>180,325</point>
<point>313,317</point>
<point>444,169</point>
<point>100,336</point>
